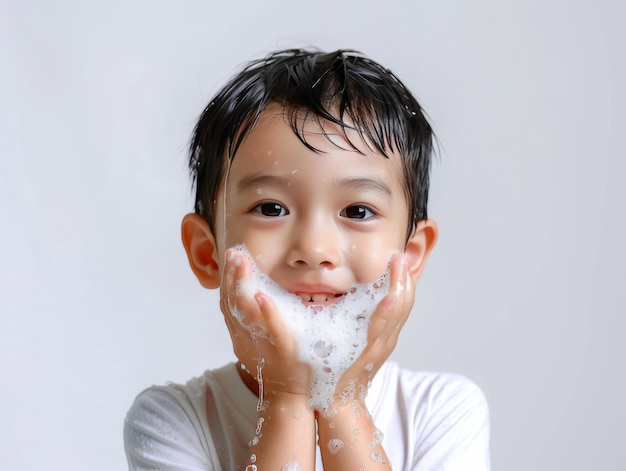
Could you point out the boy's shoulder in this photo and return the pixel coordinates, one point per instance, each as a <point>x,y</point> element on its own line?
<point>433,387</point>
<point>186,422</point>
<point>435,419</point>
<point>191,401</point>
<point>425,393</point>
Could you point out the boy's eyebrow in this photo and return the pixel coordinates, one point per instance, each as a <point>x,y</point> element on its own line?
<point>256,179</point>
<point>353,183</point>
<point>365,183</point>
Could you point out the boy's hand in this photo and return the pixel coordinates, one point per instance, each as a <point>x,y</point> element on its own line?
<point>263,333</point>
<point>348,419</point>
<point>382,334</point>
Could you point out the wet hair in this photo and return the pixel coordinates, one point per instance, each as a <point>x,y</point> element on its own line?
<point>343,87</point>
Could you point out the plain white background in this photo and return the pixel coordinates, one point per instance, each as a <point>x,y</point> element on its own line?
<point>524,292</point>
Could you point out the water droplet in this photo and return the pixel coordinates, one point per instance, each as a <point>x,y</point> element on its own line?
<point>259,424</point>
<point>259,377</point>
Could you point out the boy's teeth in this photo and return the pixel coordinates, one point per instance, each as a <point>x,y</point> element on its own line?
<point>314,298</point>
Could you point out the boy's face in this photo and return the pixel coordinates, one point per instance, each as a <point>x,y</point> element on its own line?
<point>316,223</point>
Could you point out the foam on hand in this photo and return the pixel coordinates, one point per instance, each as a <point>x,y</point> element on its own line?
<point>328,338</point>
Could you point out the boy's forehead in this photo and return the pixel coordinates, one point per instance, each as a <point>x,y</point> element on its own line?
<point>318,133</point>
<point>273,154</point>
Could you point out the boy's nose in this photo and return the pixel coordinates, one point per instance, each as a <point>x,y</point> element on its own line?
<point>316,244</point>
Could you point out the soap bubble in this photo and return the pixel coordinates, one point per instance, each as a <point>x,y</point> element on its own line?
<point>322,348</point>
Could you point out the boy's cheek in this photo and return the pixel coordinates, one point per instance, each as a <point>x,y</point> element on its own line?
<point>376,264</point>
<point>367,257</point>
<point>370,258</point>
<point>263,257</point>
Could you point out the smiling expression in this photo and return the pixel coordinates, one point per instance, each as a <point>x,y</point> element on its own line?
<point>317,223</point>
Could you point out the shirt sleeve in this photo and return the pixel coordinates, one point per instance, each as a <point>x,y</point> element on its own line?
<point>455,437</point>
<point>160,433</point>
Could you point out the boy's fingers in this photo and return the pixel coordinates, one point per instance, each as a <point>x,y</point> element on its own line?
<point>249,313</point>
<point>394,309</point>
<point>235,298</point>
<point>402,289</point>
<point>278,333</point>
<point>239,310</point>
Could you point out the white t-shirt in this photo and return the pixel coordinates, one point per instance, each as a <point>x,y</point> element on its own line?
<point>430,422</point>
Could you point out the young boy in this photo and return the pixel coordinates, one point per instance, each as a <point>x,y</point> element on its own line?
<point>311,170</point>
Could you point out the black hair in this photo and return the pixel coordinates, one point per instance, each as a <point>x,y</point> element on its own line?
<point>344,87</point>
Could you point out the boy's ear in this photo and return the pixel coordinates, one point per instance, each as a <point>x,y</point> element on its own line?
<point>419,246</point>
<point>201,249</point>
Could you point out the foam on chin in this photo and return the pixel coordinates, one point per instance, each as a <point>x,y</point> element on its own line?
<point>329,338</point>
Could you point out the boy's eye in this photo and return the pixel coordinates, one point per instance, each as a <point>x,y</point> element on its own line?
<point>356,212</point>
<point>271,209</point>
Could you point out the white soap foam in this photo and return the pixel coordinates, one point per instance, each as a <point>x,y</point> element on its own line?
<point>377,438</point>
<point>329,338</point>
<point>334,445</point>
